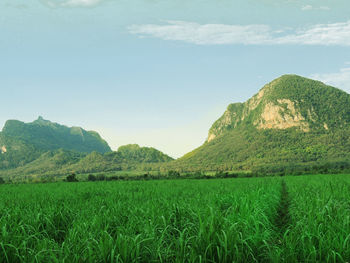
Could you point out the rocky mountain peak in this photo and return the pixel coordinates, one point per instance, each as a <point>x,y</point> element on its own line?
<point>289,101</point>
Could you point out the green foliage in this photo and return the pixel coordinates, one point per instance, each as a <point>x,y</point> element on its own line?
<point>71,178</point>
<point>50,163</point>
<point>126,158</point>
<point>304,219</point>
<point>18,152</point>
<point>134,152</point>
<point>154,221</point>
<point>268,151</point>
<point>91,177</point>
<point>62,162</point>
<point>173,173</point>
<point>318,228</point>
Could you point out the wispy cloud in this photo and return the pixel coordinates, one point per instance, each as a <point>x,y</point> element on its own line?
<point>219,34</point>
<point>310,7</point>
<point>307,7</point>
<point>205,34</point>
<point>339,79</point>
<point>71,3</point>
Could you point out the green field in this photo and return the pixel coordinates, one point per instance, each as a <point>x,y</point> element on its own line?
<point>272,219</point>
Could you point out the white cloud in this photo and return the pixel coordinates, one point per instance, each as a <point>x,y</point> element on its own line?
<point>310,7</point>
<point>218,34</point>
<point>205,34</point>
<point>322,34</point>
<point>339,79</point>
<point>71,3</point>
<point>307,7</point>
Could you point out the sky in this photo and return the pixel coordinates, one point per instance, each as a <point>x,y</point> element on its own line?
<point>160,72</point>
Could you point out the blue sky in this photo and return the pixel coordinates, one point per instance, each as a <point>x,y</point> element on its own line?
<point>159,73</point>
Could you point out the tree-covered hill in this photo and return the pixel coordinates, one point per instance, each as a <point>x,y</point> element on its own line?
<point>46,135</point>
<point>127,157</point>
<point>133,152</point>
<point>292,122</point>
<point>23,143</point>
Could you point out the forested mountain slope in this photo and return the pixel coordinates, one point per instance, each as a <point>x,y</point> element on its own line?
<point>292,121</point>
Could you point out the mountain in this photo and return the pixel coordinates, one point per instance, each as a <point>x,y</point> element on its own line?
<point>292,121</point>
<point>46,135</point>
<point>22,143</point>
<point>289,101</point>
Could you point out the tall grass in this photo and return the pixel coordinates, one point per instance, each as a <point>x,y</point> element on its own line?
<point>228,220</point>
<point>320,220</point>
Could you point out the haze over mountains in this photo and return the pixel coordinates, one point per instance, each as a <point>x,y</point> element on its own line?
<point>292,122</point>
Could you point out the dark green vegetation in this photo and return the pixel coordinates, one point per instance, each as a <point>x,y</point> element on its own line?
<point>304,219</point>
<point>128,157</point>
<point>271,151</point>
<point>293,125</point>
<point>282,220</point>
<point>54,165</point>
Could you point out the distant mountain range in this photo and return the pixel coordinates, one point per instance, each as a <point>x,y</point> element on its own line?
<point>44,147</point>
<point>293,124</point>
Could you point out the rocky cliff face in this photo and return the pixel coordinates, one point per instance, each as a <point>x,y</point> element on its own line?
<point>3,149</point>
<point>281,115</point>
<point>288,102</point>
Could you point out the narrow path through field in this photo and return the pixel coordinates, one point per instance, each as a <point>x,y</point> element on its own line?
<point>280,222</point>
<point>283,218</point>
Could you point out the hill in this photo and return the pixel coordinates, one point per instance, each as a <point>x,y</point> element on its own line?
<point>22,142</point>
<point>291,123</point>
<point>128,157</point>
<point>46,135</point>
<point>62,162</point>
